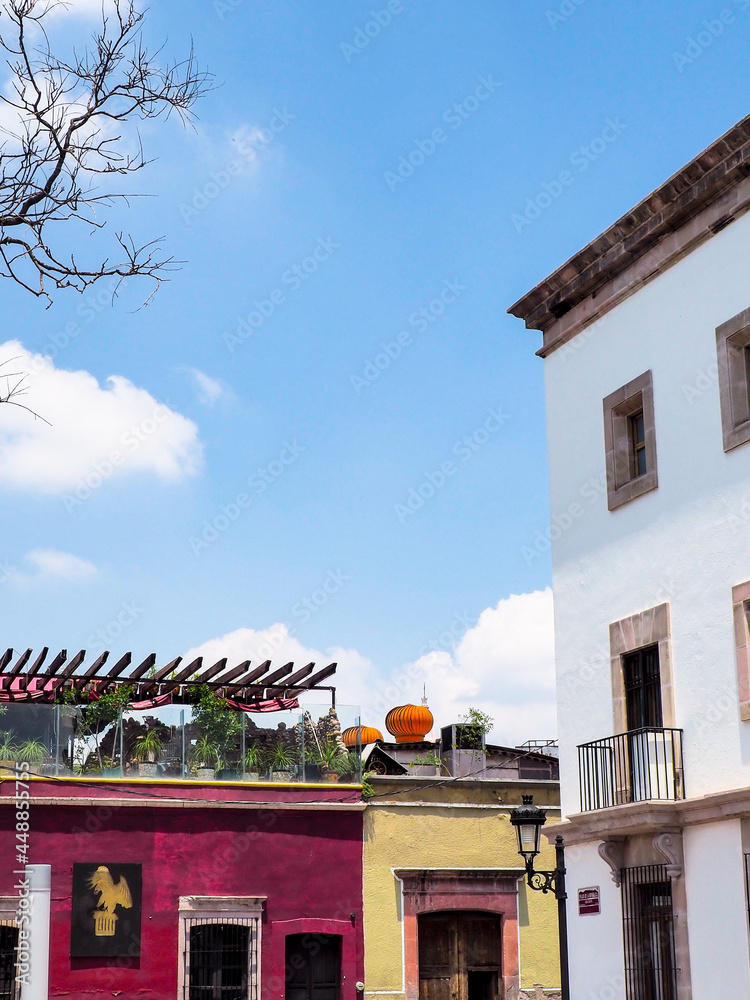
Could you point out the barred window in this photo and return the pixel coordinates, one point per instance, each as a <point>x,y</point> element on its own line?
<point>8,949</point>
<point>648,930</point>
<point>220,948</point>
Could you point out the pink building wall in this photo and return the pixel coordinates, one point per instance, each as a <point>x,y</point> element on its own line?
<point>306,861</point>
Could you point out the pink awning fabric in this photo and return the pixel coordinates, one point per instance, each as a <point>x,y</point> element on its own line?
<point>14,695</point>
<point>271,705</point>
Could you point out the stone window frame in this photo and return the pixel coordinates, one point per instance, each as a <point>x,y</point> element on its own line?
<point>619,406</point>
<point>741,616</point>
<point>647,628</point>
<point>732,344</point>
<point>219,909</point>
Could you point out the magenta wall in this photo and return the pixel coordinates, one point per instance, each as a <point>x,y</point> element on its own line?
<point>308,863</point>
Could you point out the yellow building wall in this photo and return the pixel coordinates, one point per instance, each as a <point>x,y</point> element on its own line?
<point>431,836</point>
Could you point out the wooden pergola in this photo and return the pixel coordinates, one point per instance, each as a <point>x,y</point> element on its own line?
<point>48,679</point>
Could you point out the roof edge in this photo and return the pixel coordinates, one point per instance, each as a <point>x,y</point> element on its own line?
<point>642,230</point>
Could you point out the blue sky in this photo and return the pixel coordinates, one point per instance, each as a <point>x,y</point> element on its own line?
<point>287,200</point>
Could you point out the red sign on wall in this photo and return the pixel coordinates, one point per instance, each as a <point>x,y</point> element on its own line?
<point>588,901</point>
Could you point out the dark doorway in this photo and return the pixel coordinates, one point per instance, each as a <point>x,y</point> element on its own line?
<point>648,925</point>
<point>459,956</point>
<point>643,689</point>
<point>313,967</point>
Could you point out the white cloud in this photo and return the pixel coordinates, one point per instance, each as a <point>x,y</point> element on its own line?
<point>96,433</point>
<point>503,666</point>
<point>81,8</point>
<point>209,389</point>
<point>51,566</point>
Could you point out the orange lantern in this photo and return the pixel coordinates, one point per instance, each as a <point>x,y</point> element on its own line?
<point>409,723</point>
<point>362,735</point>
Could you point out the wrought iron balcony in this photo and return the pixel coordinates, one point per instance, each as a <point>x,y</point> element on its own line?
<point>638,766</point>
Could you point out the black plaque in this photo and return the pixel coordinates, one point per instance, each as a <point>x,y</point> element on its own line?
<point>106,917</point>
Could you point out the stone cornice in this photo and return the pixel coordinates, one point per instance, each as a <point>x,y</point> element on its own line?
<point>646,817</point>
<point>694,204</point>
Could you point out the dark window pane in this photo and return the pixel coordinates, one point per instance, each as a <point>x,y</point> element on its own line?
<point>640,432</point>
<point>219,957</point>
<point>8,945</point>
<point>643,689</point>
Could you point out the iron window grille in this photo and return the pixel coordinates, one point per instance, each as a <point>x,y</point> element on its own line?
<point>221,958</point>
<point>8,952</point>
<point>648,933</point>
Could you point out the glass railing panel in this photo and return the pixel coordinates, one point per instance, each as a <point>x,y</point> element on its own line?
<point>206,742</point>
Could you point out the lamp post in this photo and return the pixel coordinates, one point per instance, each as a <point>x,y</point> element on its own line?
<point>528,821</point>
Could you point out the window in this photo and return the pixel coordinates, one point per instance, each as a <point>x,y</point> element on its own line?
<point>638,445</point>
<point>641,665</point>
<point>733,356</point>
<point>648,933</point>
<point>642,688</point>
<point>218,961</point>
<point>8,946</point>
<point>220,947</point>
<point>630,441</point>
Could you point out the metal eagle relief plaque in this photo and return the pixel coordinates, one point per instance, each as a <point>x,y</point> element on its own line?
<point>106,911</point>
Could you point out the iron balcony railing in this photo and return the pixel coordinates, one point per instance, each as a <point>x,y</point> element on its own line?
<point>638,766</point>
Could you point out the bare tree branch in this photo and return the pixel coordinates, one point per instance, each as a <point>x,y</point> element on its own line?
<point>15,389</point>
<point>70,116</point>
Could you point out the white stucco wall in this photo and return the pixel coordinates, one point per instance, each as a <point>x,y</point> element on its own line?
<point>595,940</point>
<point>717,908</point>
<point>688,542</point>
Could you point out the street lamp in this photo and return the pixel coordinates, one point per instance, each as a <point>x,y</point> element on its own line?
<point>528,821</point>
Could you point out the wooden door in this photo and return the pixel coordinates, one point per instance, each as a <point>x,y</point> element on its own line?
<point>459,956</point>
<point>313,967</point>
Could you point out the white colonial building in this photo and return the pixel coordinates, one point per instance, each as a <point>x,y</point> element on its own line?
<point>647,359</point>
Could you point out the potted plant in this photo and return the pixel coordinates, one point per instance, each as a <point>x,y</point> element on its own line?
<point>145,753</point>
<point>425,765</point>
<point>252,764</point>
<point>311,762</point>
<point>330,759</point>
<point>204,759</point>
<point>282,763</point>
<point>33,753</point>
<point>8,751</point>
<point>349,765</point>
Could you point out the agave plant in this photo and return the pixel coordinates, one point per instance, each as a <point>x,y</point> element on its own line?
<point>205,753</point>
<point>8,749</point>
<point>282,759</point>
<point>331,757</point>
<point>148,747</point>
<point>32,752</point>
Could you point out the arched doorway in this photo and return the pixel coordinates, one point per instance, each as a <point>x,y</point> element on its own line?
<point>460,956</point>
